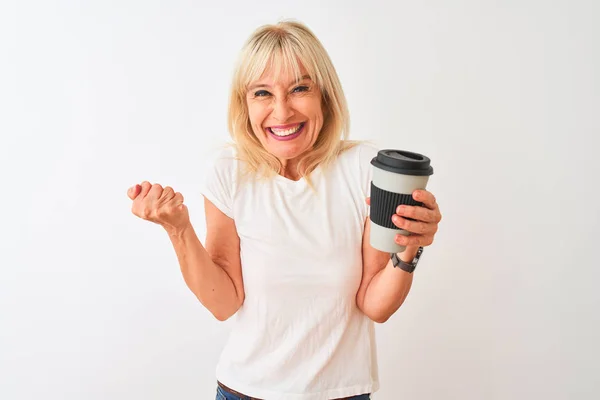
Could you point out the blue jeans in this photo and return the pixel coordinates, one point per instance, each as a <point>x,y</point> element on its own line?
<point>223,395</point>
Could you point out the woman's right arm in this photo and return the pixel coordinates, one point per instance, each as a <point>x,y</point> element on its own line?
<point>213,273</point>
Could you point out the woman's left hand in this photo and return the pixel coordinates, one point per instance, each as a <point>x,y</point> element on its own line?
<point>425,225</point>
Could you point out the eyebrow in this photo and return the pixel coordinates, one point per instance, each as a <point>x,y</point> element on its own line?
<point>305,77</point>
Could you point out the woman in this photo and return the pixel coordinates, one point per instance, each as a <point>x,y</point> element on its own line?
<point>287,247</point>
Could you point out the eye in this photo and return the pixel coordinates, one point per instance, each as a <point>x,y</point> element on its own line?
<point>300,89</point>
<point>261,93</point>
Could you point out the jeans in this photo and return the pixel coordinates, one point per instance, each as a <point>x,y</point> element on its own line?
<point>223,395</point>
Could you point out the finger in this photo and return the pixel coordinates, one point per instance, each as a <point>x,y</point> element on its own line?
<point>413,226</point>
<point>145,189</point>
<point>167,194</point>
<point>414,240</point>
<point>155,191</point>
<point>134,191</point>
<point>368,201</point>
<point>178,199</point>
<point>418,213</point>
<point>425,197</point>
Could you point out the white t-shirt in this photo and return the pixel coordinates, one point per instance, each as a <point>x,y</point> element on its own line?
<point>299,334</point>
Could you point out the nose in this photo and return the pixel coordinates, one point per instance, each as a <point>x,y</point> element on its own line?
<point>282,110</point>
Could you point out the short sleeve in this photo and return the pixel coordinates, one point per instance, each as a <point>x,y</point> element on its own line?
<point>366,153</point>
<point>218,183</point>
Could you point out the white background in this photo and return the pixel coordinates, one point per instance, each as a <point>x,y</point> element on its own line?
<point>504,97</point>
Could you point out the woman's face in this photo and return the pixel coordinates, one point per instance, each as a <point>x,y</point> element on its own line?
<point>286,114</point>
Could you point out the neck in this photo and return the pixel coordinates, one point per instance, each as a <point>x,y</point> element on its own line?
<point>288,170</point>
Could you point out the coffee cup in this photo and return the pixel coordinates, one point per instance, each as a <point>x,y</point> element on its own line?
<point>396,175</point>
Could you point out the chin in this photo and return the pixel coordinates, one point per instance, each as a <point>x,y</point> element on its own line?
<point>287,150</point>
<point>286,154</point>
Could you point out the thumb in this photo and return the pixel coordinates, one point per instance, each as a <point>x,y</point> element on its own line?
<point>133,192</point>
<point>368,201</point>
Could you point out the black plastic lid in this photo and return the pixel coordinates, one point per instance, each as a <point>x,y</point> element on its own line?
<point>403,162</point>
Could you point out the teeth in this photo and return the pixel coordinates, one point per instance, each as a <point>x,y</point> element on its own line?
<point>286,132</point>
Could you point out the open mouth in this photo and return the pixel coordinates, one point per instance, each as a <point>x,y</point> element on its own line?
<point>287,132</point>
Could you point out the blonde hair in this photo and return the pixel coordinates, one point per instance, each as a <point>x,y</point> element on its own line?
<point>284,47</point>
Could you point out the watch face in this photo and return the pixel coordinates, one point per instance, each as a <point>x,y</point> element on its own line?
<point>417,257</point>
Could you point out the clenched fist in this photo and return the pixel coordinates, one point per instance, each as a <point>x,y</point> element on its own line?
<point>161,206</point>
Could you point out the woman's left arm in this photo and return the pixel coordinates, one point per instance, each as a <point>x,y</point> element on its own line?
<point>383,288</point>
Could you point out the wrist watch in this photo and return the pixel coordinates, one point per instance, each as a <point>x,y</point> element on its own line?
<point>408,267</point>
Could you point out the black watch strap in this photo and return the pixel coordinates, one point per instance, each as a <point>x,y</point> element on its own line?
<point>408,267</point>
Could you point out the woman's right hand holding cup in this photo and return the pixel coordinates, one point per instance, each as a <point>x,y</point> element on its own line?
<point>160,205</point>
